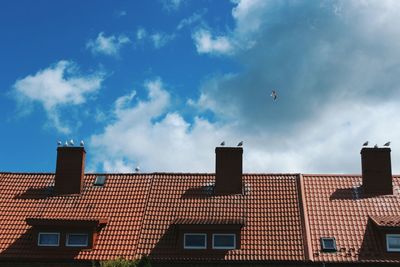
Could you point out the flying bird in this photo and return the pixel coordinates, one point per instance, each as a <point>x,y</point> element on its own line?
<point>59,143</point>
<point>222,143</point>
<point>366,143</point>
<point>71,142</point>
<point>82,143</point>
<point>387,144</point>
<point>240,143</point>
<point>274,95</point>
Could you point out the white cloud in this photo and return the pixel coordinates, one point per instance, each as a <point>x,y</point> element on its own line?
<point>161,39</point>
<point>190,20</point>
<point>109,46</point>
<point>334,65</point>
<point>172,5</point>
<point>60,85</point>
<point>152,136</point>
<point>141,33</point>
<point>206,43</point>
<point>157,39</point>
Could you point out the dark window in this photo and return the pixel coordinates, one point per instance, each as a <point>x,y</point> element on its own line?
<point>100,180</point>
<point>77,240</point>
<point>224,241</point>
<point>393,242</point>
<point>328,244</point>
<point>46,239</point>
<point>195,241</point>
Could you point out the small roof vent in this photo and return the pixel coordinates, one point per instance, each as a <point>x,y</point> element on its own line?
<point>100,180</point>
<point>328,244</point>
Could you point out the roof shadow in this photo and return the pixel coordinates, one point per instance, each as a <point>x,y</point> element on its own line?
<point>351,193</point>
<point>373,247</point>
<point>205,191</point>
<point>25,247</point>
<point>36,193</point>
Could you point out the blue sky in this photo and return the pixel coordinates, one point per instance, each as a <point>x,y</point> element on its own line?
<point>158,84</point>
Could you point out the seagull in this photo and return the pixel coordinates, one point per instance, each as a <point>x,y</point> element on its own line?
<point>274,95</point>
<point>137,169</point>
<point>71,142</point>
<point>59,143</point>
<point>375,146</point>
<point>66,143</point>
<point>387,144</point>
<point>222,143</point>
<point>240,143</point>
<point>82,143</point>
<point>366,143</point>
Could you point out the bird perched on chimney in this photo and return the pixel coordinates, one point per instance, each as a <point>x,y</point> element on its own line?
<point>387,144</point>
<point>366,143</point>
<point>82,143</point>
<point>274,95</point>
<point>240,143</point>
<point>222,143</point>
<point>59,143</point>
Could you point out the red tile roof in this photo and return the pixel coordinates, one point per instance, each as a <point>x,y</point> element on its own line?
<point>270,206</point>
<point>282,217</point>
<point>121,201</point>
<point>386,221</point>
<point>141,210</point>
<point>337,207</point>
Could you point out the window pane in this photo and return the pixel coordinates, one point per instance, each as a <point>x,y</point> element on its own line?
<point>77,240</point>
<point>394,242</point>
<point>195,240</point>
<point>329,243</point>
<point>224,241</point>
<point>48,239</point>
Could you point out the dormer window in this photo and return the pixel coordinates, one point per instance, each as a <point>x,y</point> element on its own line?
<point>224,241</point>
<point>48,239</point>
<point>393,242</point>
<point>195,241</point>
<point>328,244</point>
<point>77,240</point>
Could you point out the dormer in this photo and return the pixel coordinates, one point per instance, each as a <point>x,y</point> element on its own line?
<point>65,233</point>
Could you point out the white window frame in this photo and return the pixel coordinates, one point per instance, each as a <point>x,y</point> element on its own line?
<point>193,247</point>
<point>387,243</point>
<point>232,247</point>
<point>48,245</point>
<point>69,245</point>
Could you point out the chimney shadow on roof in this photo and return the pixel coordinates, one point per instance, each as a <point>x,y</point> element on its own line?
<point>36,193</point>
<point>351,193</point>
<point>25,247</point>
<point>204,191</point>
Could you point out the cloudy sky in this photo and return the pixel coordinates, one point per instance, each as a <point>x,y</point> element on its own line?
<point>159,84</point>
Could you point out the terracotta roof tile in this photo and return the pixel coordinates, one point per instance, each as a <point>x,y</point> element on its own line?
<point>337,207</point>
<point>122,201</point>
<point>270,208</point>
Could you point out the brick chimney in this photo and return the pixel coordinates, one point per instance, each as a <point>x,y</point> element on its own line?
<point>376,170</point>
<point>228,170</point>
<point>70,170</point>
